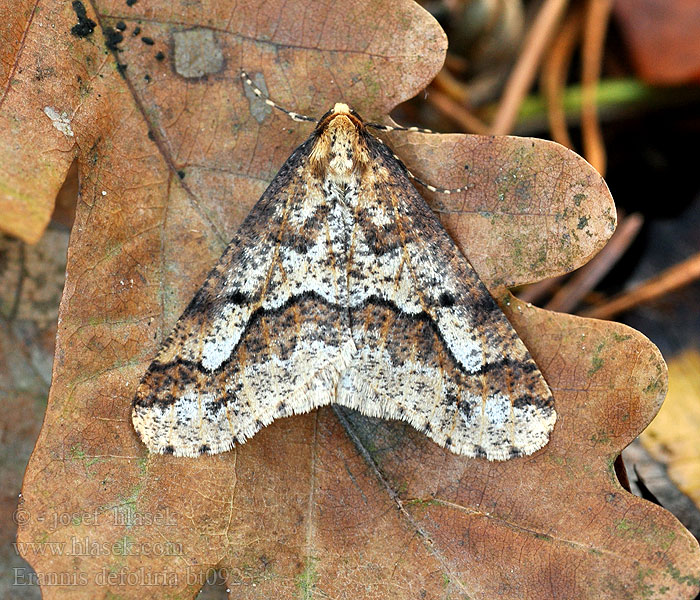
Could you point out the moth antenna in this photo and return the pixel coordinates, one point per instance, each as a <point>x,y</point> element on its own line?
<point>380,127</point>
<point>427,186</point>
<point>432,188</point>
<point>258,92</point>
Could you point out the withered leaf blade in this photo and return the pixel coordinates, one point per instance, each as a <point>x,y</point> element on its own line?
<point>302,509</point>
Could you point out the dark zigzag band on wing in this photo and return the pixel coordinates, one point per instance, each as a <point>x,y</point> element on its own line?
<point>527,366</point>
<point>442,401</point>
<point>486,304</point>
<point>272,377</point>
<point>401,371</point>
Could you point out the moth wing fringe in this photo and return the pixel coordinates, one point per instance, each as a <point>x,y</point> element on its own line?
<point>319,390</point>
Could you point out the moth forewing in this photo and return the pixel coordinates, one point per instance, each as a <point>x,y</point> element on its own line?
<point>342,287</point>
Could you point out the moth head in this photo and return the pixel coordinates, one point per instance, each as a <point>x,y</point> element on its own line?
<point>340,151</point>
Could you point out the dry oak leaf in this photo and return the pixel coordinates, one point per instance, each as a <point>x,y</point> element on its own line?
<point>172,152</point>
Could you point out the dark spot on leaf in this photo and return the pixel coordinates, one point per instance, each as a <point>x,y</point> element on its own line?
<point>85,25</point>
<point>113,38</point>
<point>160,56</point>
<point>168,450</point>
<point>147,40</point>
<point>121,26</point>
<point>181,174</point>
<point>136,31</point>
<point>151,135</point>
<point>130,2</point>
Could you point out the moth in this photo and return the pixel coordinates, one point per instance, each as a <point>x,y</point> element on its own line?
<point>342,287</point>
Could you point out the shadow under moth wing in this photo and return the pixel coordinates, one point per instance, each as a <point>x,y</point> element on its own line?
<point>342,287</point>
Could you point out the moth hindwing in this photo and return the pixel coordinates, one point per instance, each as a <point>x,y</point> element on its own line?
<point>342,287</point>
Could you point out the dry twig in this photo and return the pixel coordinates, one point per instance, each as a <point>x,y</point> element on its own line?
<point>554,72</point>
<point>525,70</point>
<point>460,115</point>
<point>594,29</point>
<point>671,279</point>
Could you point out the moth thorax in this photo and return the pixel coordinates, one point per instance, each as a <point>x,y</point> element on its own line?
<point>339,152</point>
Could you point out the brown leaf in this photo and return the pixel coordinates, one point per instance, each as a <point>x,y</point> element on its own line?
<point>327,504</point>
<point>534,209</point>
<point>38,143</point>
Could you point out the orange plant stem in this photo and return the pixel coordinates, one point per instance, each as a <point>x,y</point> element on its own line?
<point>594,29</point>
<point>456,112</point>
<point>554,71</point>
